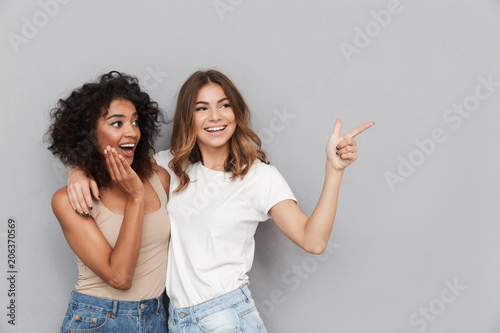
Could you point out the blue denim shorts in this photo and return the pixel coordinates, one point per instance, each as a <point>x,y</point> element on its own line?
<point>232,312</point>
<point>94,314</point>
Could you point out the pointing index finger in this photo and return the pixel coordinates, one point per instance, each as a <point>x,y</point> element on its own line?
<point>359,129</point>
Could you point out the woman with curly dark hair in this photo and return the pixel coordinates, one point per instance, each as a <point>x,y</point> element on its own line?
<point>107,129</point>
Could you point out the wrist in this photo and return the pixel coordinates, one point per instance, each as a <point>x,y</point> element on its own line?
<point>334,176</point>
<point>137,198</point>
<point>331,171</point>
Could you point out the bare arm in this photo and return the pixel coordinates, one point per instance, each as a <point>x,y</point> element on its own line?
<point>312,234</point>
<point>115,266</point>
<point>81,188</point>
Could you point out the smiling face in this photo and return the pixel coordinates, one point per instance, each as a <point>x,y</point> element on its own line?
<point>214,119</point>
<point>119,129</point>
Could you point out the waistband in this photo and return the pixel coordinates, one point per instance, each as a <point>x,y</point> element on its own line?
<point>196,312</point>
<point>116,307</point>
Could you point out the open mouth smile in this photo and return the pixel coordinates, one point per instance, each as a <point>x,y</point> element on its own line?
<point>216,129</point>
<point>127,149</point>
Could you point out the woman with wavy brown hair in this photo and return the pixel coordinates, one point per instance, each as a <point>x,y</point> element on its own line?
<point>221,187</point>
<point>244,144</point>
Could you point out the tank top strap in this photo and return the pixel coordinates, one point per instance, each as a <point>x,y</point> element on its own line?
<point>100,212</point>
<point>155,182</point>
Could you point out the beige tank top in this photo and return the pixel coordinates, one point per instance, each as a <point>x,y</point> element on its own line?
<point>150,271</point>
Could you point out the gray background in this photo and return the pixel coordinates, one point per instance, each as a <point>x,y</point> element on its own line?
<point>398,244</point>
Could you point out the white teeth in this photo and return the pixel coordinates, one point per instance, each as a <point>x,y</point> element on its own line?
<point>213,129</point>
<point>128,145</point>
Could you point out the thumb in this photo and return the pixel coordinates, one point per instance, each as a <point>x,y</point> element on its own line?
<point>337,128</point>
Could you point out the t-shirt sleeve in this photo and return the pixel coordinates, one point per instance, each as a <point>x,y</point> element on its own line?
<point>271,190</point>
<point>162,158</point>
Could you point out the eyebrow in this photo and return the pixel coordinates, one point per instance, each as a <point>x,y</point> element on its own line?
<point>220,100</point>
<point>116,115</point>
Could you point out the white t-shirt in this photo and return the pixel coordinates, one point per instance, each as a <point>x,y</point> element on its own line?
<point>213,222</point>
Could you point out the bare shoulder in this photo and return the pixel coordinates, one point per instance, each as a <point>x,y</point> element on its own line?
<point>63,211</point>
<point>163,175</point>
<point>60,199</point>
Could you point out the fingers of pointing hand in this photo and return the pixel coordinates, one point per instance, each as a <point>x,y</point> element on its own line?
<point>348,138</point>
<point>349,156</point>
<point>358,130</point>
<point>346,141</point>
<point>337,128</point>
<point>347,149</point>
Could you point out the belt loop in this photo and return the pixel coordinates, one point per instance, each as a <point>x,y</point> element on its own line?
<point>158,305</point>
<point>246,292</point>
<point>115,308</point>
<point>172,314</point>
<point>193,318</point>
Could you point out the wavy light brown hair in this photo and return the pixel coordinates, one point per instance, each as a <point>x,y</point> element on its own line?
<point>244,145</point>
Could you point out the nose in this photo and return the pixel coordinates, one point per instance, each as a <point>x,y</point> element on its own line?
<point>131,131</point>
<point>214,114</point>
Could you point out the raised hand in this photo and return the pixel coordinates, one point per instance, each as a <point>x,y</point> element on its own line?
<point>122,173</point>
<point>341,150</point>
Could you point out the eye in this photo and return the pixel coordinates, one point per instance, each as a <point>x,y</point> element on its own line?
<point>136,122</point>
<point>116,124</point>
<point>201,108</point>
<point>223,106</point>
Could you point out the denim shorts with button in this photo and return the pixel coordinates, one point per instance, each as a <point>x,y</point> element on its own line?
<point>232,312</point>
<point>94,314</point>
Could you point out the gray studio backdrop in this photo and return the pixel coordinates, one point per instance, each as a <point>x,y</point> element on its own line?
<point>415,244</point>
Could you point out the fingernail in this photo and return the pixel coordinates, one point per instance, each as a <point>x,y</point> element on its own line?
<point>113,150</point>
<point>337,152</point>
<point>90,207</point>
<point>87,214</point>
<point>76,210</point>
<point>82,214</point>
<point>108,148</point>
<point>105,152</point>
<point>99,196</point>
<point>337,148</point>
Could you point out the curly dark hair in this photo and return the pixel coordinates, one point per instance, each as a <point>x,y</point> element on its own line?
<point>74,121</point>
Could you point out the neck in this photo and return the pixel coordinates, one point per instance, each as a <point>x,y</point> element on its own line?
<point>214,159</point>
<point>116,189</point>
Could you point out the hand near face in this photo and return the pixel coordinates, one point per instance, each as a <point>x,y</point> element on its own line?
<point>341,150</point>
<point>122,173</point>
